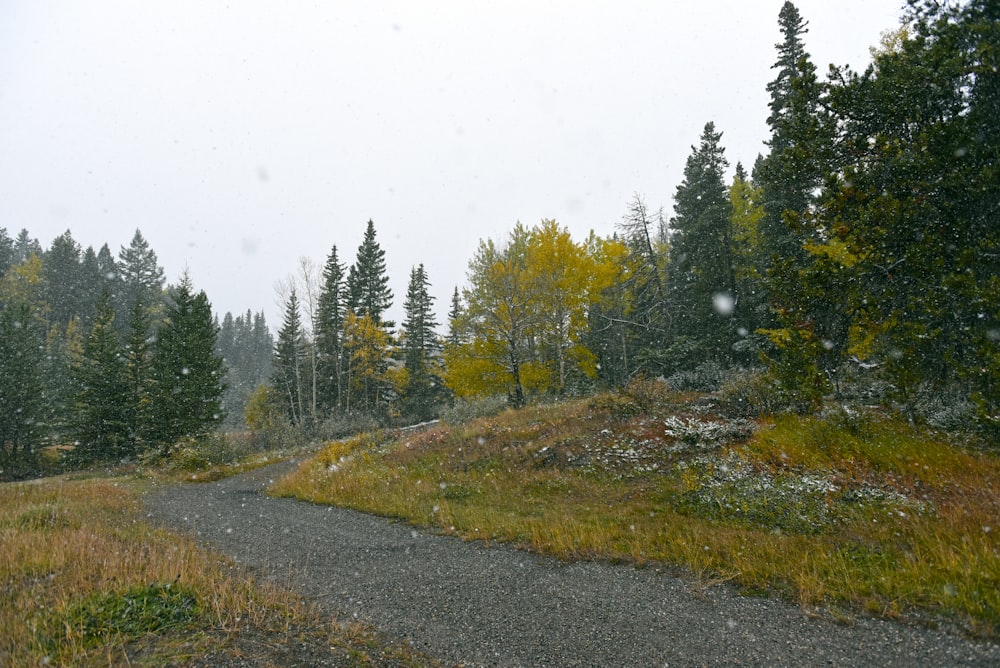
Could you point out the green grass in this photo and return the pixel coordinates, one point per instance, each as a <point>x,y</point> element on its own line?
<point>853,512</point>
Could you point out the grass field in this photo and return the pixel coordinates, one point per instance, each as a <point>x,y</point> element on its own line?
<point>853,512</point>
<point>85,581</point>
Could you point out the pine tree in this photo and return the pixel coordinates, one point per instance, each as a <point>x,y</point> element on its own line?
<point>455,319</point>
<point>799,144</point>
<point>289,355</point>
<point>6,251</point>
<point>61,273</point>
<point>186,374</point>
<point>422,387</point>
<point>140,277</point>
<point>702,283</point>
<point>100,425</point>
<point>329,334</point>
<point>25,247</point>
<point>137,354</point>
<point>22,402</point>
<point>368,290</point>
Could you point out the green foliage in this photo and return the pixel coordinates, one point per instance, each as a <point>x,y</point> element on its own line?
<point>246,345</point>
<point>702,285</point>
<point>423,387</point>
<point>103,425</point>
<point>22,403</point>
<point>368,290</point>
<point>330,314</point>
<point>186,374</point>
<point>127,615</point>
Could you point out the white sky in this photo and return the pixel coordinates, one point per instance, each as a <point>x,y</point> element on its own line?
<point>241,136</point>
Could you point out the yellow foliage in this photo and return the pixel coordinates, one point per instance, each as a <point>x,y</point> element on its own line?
<point>835,250</point>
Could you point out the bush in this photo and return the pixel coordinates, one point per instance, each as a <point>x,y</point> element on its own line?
<point>467,410</point>
<point>343,425</point>
<point>751,394</point>
<point>706,377</point>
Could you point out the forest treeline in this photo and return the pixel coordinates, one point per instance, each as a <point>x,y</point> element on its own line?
<point>100,357</point>
<point>859,258</point>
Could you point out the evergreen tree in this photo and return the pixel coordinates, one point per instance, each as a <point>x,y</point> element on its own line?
<point>246,346</point>
<point>137,354</point>
<point>329,334</point>
<point>422,387</point>
<point>62,280</point>
<point>100,424</point>
<point>289,356</point>
<point>186,374</point>
<point>455,318</point>
<point>140,277</point>
<point>22,402</point>
<point>368,290</point>
<point>6,251</point>
<point>25,247</point>
<point>799,146</point>
<point>702,282</point>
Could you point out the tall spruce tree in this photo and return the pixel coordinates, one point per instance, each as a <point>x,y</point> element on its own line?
<point>100,423</point>
<point>22,400</point>
<point>63,282</point>
<point>329,334</point>
<point>6,251</point>
<point>422,389</point>
<point>702,281</point>
<point>799,145</point>
<point>140,277</point>
<point>288,374</point>
<point>186,374</point>
<point>368,290</point>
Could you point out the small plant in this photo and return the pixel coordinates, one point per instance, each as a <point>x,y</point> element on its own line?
<point>129,614</point>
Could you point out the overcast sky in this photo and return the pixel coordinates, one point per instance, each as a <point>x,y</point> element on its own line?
<point>241,136</point>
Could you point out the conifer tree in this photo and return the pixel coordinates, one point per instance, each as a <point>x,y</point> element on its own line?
<point>61,274</point>
<point>6,251</point>
<point>186,374</point>
<point>289,355</point>
<point>702,285</point>
<point>799,145</point>
<point>368,290</point>
<point>100,424</point>
<point>22,402</point>
<point>421,390</point>
<point>329,334</point>
<point>139,276</point>
<point>455,318</point>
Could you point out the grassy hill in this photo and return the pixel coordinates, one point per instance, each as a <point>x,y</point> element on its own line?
<point>852,511</point>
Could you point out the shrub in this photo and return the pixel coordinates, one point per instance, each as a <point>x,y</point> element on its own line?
<point>706,377</point>
<point>467,410</point>
<point>751,394</point>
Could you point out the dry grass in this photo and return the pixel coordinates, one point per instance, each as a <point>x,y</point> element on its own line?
<point>853,512</point>
<point>86,582</point>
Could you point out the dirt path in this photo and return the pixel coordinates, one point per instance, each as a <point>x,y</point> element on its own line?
<point>470,604</point>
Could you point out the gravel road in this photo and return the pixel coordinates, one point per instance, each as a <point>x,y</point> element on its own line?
<point>478,605</point>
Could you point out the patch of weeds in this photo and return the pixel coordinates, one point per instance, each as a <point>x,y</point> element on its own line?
<point>132,613</point>
<point>38,517</point>
<point>803,503</point>
<point>457,492</point>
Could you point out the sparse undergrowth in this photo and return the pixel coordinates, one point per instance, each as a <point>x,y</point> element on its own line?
<point>84,581</point>
<point>854,512</point>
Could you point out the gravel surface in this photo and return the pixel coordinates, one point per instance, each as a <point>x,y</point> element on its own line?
<point>478,605</point>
